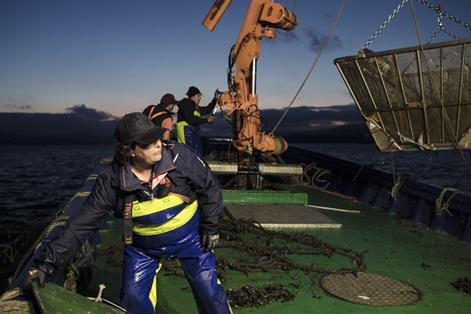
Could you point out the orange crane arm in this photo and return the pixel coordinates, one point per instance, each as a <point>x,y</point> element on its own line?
<point>241,101</point>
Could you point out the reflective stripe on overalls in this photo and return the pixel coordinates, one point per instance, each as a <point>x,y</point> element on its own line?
<point>162,221</point>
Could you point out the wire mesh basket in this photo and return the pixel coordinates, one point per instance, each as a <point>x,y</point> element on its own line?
<point>413,98</point>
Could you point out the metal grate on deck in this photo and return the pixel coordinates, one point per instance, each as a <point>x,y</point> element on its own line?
<point>370,289</point>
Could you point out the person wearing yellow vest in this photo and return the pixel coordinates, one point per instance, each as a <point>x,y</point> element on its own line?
<point>162,114</point>
<point>190,116</point>
<point>171,203</point>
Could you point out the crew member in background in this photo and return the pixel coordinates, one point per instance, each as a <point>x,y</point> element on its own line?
<point>191,116</point>
<point>171,203</point>
<point>162,114</point>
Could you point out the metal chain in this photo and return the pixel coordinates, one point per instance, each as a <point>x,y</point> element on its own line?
<point>437,32</point>
<point>437,8</point>
<point>435,89</point>
<point>449,33</point>
<point>385,23</point>
<point>451,17</point>
<point>441,28</point>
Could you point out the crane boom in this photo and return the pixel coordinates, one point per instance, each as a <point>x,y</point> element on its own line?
<point>215,13</point>
<point>241,102</point>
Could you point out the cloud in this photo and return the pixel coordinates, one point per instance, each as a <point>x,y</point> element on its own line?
<point>318,40</point>
<point>286,37</point>
<point>13,107</point>
<point>20,103</point>
<point>90,113</point>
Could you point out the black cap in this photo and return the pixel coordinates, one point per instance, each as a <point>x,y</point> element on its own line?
<point>136,128</point>
<point>192,91</point>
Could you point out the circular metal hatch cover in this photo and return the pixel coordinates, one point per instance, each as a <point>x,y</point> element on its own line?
<point>370,289</point>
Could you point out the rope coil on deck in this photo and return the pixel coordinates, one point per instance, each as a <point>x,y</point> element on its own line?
<point>315,176</point>
<point>441,205</point>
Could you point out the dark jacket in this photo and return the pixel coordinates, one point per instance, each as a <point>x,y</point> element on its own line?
<point>189,175</point>
<point>187,107</point>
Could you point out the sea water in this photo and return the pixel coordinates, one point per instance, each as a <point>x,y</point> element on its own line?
<point>38,179</point>
<point>35,181</point>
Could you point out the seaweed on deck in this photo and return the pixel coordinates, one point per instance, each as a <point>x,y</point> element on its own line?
<point>260,250</point>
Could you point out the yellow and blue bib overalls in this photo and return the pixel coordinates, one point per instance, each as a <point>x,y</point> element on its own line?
<point>168,228</point>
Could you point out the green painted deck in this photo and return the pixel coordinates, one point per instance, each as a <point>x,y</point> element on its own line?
<point>397,248</point>
<point>274,216</point>
<point>264,197</point>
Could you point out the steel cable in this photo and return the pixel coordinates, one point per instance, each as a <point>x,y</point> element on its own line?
<point>323,45</point>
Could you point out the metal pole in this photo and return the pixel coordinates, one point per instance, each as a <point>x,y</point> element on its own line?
<point>388,99</point>
<point>253,89</point>
<point>422,93</point>
<point>403,92</point>
<point>460,93</point>
<point>370,95</point>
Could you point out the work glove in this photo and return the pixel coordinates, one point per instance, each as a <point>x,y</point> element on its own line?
<point>35,274</point>
<point>210,119</point>
<point>209,241</point>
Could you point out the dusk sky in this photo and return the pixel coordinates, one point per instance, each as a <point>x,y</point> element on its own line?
<point>118,56</point>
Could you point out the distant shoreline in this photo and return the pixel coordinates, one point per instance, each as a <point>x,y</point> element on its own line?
<point>88,126</point>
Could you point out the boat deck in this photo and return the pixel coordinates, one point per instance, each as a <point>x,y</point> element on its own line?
<point>426,259</point>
